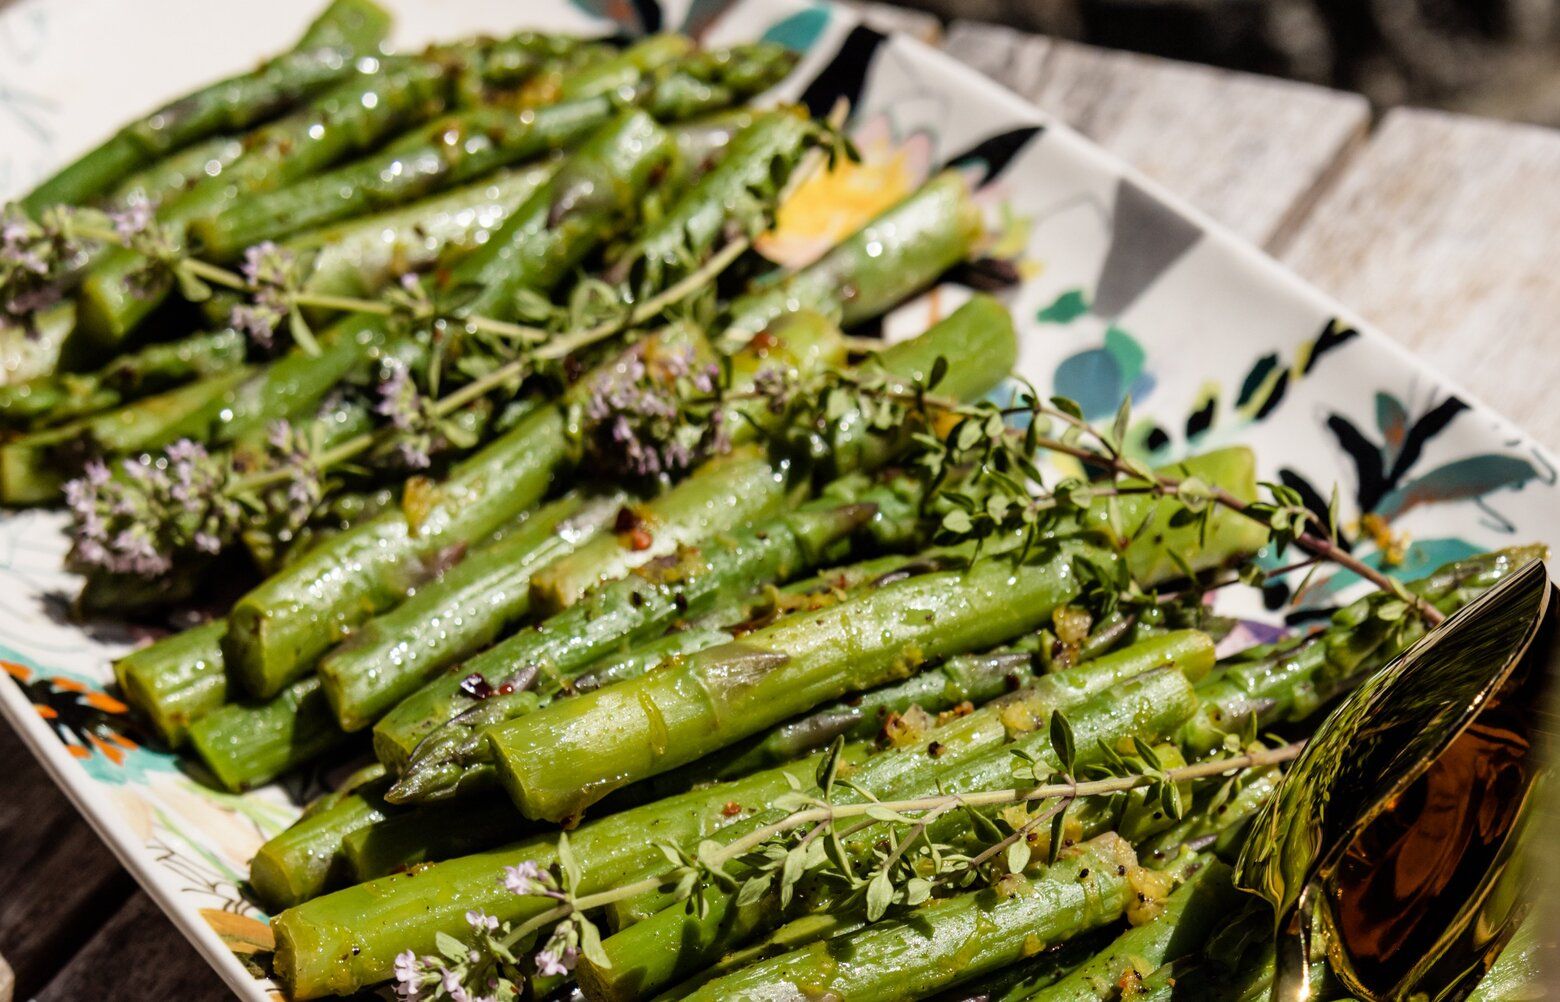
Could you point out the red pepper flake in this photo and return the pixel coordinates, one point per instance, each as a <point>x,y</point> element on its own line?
<point>732,809</point>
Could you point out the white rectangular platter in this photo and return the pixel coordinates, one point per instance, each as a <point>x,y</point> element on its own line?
<point>1125,290</point>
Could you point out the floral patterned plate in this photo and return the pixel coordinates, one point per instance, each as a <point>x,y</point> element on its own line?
<point>1126,290</point>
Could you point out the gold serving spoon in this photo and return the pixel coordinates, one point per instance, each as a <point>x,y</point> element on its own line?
<point>1394,838</point>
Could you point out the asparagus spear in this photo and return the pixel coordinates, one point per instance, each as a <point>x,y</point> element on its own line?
<point>345,30</point>
<point>359,256</point>
<point>625,611</point>
<point>640,659</point>
<point>248,745</point>
<point>746,175</point>
<point>903,250</point>
<point>279,630</point>
<point>952,939</point>
<point>353,115</point>
<point>970,678</point>
<point>453,150</point>
<point>176,174</point>
<point>979,335</point>
<point>670,943</point>
<point>645,726</point>
<point>176,680</point>
<point>389,656</point>
<point>410,838</point>
<point>349,939</point>
<point>1190,914</point>
<point>56,398</point>
<point>300,862</point>
<point>33,467</point>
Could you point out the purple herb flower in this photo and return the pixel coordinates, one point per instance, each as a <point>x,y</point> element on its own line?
<point>269,271</point>
<point>551,964</point>
<point>525,879</point>
<point>656,413</point>
<point>34,259</point>
<point>135,520</point>
<point>408,975</point>
<point>301,492</point>
<point>481,920</point>
<point>410,413</point>
<point>132,221</point>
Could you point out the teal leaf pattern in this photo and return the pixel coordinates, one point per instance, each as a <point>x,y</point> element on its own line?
<point>1067,307</point>
<point>801,30</point>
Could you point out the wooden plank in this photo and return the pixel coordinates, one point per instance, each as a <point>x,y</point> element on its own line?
<point>137,955</point>
<point>1443,231</point>
<point>1250,151</point>
<point>58,882</point>
<point>888,18</point>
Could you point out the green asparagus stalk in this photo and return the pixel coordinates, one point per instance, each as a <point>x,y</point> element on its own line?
<point>981,330</point>
<point>57,398</point>
<point>305,859</point>
<point>971,678</point>
<point>630,610</point>
<point>671,943</point>
<point>745,177</point>
<point>640,659</point>
<point>390,656</point>
<point>324,55</point>
<point>952,939</point>
<point>353,115</point>
<point>1295,681</point>
<point>358,257</point>
<point>645,726</point>
<point>48,346</point>
<point>451,151</point>
<point>1190,914</point>
<point>176,680</point>
<point>979,335</point>
<point>246,745</point>
<point>892,257</point>
<point>278,631</point>
<point>1017,982</point>
<point>347,940</point>
<point>422,835</point>
<point>1219,813</point>
<point>176,174</point>
<point>1157,551</point>
<point>34,467</point>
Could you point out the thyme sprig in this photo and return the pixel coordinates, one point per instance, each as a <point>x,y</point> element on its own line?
<point>245,491</point>
<point>1008,492</point>
<point>810,838</point>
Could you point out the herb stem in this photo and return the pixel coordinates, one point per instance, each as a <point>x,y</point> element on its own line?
<point>830,814</point>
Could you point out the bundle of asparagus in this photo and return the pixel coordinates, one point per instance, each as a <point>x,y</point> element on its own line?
<point>704,649</point>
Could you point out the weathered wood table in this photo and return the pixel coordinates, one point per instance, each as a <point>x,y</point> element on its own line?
<point>1439,229</point>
